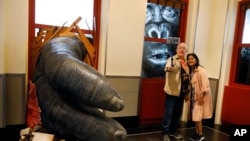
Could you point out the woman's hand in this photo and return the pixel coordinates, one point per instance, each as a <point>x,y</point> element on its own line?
<point>169,68</point>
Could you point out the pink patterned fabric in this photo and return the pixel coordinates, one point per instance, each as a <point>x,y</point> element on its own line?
<point>200,83</point>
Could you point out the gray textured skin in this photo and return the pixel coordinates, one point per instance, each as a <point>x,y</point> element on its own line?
<point>70,93</point>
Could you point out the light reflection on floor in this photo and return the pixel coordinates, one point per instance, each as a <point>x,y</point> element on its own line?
<point>210,134</point>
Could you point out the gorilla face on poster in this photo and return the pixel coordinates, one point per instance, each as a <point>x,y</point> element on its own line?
<point>161,22</point>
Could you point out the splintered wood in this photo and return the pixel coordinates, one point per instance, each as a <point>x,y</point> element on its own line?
<point>46,34</point>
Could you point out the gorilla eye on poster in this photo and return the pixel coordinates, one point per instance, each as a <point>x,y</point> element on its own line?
<point>162,22</point>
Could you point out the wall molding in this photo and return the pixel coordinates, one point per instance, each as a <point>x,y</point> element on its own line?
<point>2,100</point>
<point>15,98</point>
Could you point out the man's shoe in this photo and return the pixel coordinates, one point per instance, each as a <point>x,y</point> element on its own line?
<point>197,137</point>
<point>177,136</point>
<point>166,137</point>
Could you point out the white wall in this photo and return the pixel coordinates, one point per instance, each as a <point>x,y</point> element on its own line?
<point>15,35</point>
<point>13,58</point>
<point>209,38</point>
<point>2,14</point>
<point>121,46</point>
<point>124,37</point>
<point>193,8</point>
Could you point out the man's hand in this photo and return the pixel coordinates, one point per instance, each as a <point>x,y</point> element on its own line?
<point>169,69</point>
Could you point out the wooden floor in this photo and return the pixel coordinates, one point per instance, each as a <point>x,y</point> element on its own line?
<point>210,134</point>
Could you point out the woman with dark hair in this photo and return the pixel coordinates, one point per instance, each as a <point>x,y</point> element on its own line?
<point>201,98</point>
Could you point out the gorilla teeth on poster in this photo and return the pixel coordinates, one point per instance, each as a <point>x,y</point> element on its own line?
<point>161,22</point>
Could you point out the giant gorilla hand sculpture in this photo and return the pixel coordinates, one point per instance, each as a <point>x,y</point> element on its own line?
<point>71,93</point>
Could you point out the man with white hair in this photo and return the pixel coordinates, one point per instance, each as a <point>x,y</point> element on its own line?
<point>177,90</point>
